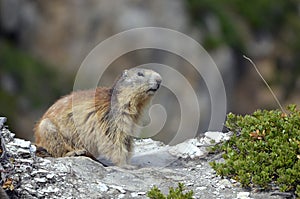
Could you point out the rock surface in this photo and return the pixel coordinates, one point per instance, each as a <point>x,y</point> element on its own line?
<point>26,176</point>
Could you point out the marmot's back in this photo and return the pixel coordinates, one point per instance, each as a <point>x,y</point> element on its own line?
<point>98,122</point>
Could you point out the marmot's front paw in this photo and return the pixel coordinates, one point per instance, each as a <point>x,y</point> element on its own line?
<point>79,152</point>
<point>42,152</point>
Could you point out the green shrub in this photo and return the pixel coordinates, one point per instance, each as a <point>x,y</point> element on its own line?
<point>264,149</point>
<point>177,193</point>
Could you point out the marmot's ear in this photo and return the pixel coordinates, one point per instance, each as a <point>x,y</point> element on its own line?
<point>125,73</point>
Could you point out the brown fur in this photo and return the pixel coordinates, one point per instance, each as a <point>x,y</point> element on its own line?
<point>100,122</point>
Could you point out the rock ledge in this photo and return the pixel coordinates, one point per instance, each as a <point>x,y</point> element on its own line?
<point>26,176</point>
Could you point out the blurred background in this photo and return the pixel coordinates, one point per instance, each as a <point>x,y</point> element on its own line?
<point>42,44</point>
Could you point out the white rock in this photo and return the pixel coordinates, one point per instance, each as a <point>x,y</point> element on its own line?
<point>39,171</point>
<point>121,196</point>
<point>21,143</point>
<point>50,189</point>
<point>25,168</point>
<point>207,141</point>
<point>225,183</point>
<point>50,176</point>
<point>22,160</point>
<point>222,186</point>
<point>45,162</point>
<point>186,149</point>
<point>102,187</point>
<point>201,188</point>
<point>21,151</point>
<point>217,136</point>
<point>64,168</point>
<point>32,149</point>
<point>216,192</point>
<point>146,145</point>
<point>243,195</point>
<point>136,194</point>
<point>30,190</point>
<point>40,179</point>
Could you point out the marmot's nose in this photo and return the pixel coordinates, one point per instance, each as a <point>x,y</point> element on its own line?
<point>154,82</point>
<point>158,80</point>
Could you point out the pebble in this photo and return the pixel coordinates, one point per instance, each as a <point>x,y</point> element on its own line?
<point>121,196</point>
<point>21,143</point>
<point>25,168</point>
<point>27,161</point>
<point>201,188</point>
<point>187,149</point>
<point>136,194</point>
<point>225,183</point>
<point>221,186</point>
<point>45,162</point>
<point>32,149</point>
<point>50,189</point>
<point>102,187</point>
<point>2,121</point>
<point>217,136</point>
<point>23,152</point>
<point>216,192</point>
<point>50,176</point>
<point>119,188</point>
<point>188,184</point>
<point>39,171</point>
<point>30,190</point>
<point>40,180</point>
<point>243,195</point>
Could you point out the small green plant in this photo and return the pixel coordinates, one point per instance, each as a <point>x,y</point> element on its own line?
<point>177,193</point>
<point>264,150</point>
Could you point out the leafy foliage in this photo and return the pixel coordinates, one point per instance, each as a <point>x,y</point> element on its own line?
<point>259,15</point>
<point>27,83</point>
<point>264,149</point>
<point>177,193</point>
<point>33,78</point>
<point>234,22</point>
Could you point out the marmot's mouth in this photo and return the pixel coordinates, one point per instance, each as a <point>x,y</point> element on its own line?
<point>153,90</point>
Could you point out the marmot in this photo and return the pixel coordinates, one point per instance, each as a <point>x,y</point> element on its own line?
<point>100,121</point>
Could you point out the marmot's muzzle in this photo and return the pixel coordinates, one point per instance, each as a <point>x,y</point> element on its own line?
<point>155,85</point>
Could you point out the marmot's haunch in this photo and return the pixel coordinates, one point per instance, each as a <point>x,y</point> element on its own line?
<point>99,122</point>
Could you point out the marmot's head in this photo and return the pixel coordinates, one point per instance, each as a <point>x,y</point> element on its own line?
<point>134,89</point>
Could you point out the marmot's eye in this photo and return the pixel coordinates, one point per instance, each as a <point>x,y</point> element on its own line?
<point>140,74</point>
<point>125,73</point>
